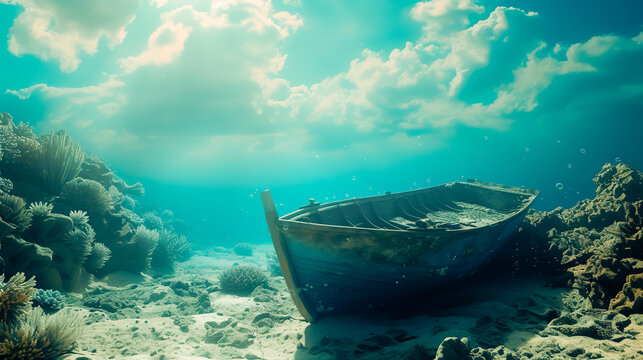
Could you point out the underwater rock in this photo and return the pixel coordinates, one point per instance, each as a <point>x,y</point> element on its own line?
<point>453,348</point>
<point>630,299</point>
<point>109,302</point>
<point>598,241</point>
<point>499,353</point>
<point>22,256</point>
<point>597,324</point>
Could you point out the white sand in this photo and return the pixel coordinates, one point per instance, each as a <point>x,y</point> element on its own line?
<point>240,332</point>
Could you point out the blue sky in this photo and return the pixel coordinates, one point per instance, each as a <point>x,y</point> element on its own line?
<point>309,95</point>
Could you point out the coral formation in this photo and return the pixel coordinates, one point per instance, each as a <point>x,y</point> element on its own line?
<point>171,247</point>
<point>86,195</point>
<point>243,249</point>
<point>599,242</point>
<point>50,301</point>
<point>15,295</point>
<point>41,337</point>
<point>61,160</point>
<point>40,210</point>
<point>242,279</point>
<point>98,256</point>
<point>14,216</point>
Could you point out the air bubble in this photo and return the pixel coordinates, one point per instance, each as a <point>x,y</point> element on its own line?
<point>428,180</point>
<point>354,178</point>
<point>559,186</point>
<point>569,166</point>
<point>617,160</point>
<point>486,137</point>
<point>582,151</point>
<point>285,227</point>
<point>526,149</point>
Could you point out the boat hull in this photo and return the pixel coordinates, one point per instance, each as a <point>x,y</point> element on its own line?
<point>339,280</point>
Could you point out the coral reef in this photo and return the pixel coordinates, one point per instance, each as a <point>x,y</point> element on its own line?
<point>86,195</point>
<point>40,210</point>
<point>598,242</point>
<point>242,279</point>
<point>97,258</point>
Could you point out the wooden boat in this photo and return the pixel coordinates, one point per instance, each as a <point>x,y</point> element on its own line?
<point>367,253</point>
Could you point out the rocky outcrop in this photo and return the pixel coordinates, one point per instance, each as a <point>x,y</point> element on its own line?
<point>598,242</point>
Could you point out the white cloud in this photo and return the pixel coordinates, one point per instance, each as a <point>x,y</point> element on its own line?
<point>163,46</point>
<point>62,30</point>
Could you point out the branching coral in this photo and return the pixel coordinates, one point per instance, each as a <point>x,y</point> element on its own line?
<point>50,301</point>
<point>99,255</point>
<point>13,211</point>
<point>40,210</point>
<point>61,160</point>
<point>87,195</point>
<point>41,337</point>
<point>15,296</point>
<point>242,279</point>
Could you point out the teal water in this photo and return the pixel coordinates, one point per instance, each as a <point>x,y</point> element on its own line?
<point>200,129</point>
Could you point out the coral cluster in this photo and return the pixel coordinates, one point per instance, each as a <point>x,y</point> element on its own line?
<point>599,242</point>
<point>242,279</point>
<point>27,333</point>
<point>80,221</point>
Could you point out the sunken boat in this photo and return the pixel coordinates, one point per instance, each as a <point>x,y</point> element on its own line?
<point>367,254</point>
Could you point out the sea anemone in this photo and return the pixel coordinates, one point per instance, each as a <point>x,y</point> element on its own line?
<point>79,218</point>
<point>41,337</point>
<point>13,211</point>
<point>15,295</point>
<point>98,257</point>
<point>242,279</point>
<point>61,160</point>
<point>80,244</point>
<point>88,195</point>
<point>40,210</point>
<point>50,301</point>
<point>145,242</point>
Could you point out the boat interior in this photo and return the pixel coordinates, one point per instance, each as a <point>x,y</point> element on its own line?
<point>453,206</point>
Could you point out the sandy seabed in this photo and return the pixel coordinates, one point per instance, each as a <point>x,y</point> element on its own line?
<point>185,316</point>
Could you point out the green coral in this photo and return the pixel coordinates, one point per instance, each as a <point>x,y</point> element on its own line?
<point>13,210</point>
<point>88,195</point>
<point>40,210</point>
<point>80,244</point>
<point>99,255</point>
<point>15,297</point>
<point>170,248</point>
<point>61,160</point>
<point>242,279</point>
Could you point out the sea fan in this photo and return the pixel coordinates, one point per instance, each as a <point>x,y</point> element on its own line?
<point>242,279</point>
<point>61,160</point>
<point>15,295</point>
<point>13,211</point>
<point>41,337</point>
<point>40,210</point>
<point>99,255</point>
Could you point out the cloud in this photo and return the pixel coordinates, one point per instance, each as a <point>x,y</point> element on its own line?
<point>206,90</point>
<point>62,30</point>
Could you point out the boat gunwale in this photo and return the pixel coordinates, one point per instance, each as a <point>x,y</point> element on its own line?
<point>531,195</point>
